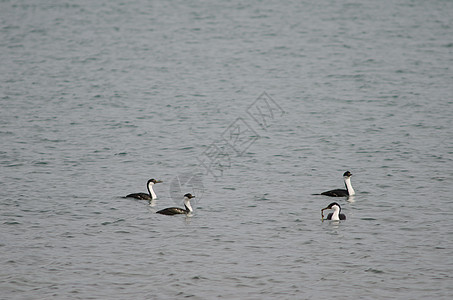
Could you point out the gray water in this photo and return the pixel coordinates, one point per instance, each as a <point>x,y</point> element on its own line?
<point>253,107</point>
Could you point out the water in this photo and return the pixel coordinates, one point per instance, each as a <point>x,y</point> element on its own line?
<point>96,98</point>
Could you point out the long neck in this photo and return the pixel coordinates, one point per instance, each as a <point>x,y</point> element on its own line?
<point>151,191</point>
<point>347,183</point>
<point>336,213</point>
<point>187,205</point>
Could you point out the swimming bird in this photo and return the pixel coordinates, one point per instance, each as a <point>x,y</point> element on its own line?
<point>336,215</point>
<point>176,210</point>
<point>151,194</point>
<point>349,191</point>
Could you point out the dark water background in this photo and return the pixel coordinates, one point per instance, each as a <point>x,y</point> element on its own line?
<point>99,96</point>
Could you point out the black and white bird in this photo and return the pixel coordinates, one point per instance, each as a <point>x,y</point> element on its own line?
<point>336,215</point>
<point>178,211</point>
<point>349,191</point>
<point>144,196</point>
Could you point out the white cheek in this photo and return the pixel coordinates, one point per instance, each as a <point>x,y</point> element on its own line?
<point>187,203</point>
<point>336,214</point>
<point>153,194</point>
<point>349,186</point>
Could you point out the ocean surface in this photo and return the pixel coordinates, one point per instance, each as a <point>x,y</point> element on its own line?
<point>253,107</point>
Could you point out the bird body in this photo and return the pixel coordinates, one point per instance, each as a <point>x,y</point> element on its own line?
<point>179,211</point>
<point>336,215</point>
<point>151,194</point>
<point>349,191</point>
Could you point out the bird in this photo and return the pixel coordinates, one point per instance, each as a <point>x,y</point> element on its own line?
<point>143,196</point>
<point>176,210</point>
<point>349,191</point>
<point>336,215</point>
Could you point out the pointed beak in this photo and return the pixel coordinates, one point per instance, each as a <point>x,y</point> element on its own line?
<point>159,181</point>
